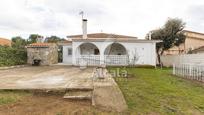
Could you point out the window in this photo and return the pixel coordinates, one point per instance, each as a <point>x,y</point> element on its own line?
<point>69,51</point>
<point>96,52</point>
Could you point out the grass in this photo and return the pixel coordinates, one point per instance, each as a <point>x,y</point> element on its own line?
<point>11,96</point>
<point>156,91</point>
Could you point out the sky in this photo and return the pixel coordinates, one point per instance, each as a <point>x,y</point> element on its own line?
<point>126,17</point>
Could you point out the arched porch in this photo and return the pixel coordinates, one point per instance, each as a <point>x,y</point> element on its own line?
<point>116,54</point>
<point>93,54</point>
<point>88,53</point>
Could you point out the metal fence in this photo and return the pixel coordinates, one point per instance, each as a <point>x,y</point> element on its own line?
<point>189,71</point>
<point>89,60</point>
<point>94,60</point>
<point>116,60</point>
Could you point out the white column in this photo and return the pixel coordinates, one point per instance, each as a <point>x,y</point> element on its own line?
<point>75,52</point>
<point>102,56</point>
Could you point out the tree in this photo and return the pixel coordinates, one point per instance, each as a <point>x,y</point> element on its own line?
<point>18,42</point>
<point>171,34</point>
<point>33,38</point>
<point>53,39</point>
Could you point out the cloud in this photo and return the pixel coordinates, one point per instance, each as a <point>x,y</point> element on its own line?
<point>195,17</point>
<point>73,7</point>
<point>61,17</point>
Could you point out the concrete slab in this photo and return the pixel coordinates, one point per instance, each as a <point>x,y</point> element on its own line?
<point>45,77</point>
<point>108,95</point>
<point>82,95</point>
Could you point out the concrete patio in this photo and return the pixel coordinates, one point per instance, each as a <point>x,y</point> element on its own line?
<point>46,77</point>
<point>71,81</point>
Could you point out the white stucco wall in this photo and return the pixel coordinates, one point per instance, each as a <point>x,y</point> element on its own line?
<point>145,50</point>
<point>67,59</point>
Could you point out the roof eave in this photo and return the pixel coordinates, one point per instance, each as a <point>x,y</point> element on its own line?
<point>37,46</point>
<point>118,40</point>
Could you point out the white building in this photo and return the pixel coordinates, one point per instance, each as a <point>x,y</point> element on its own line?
<point>108,49</point>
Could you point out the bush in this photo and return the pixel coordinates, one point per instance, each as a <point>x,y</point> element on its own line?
<point>12,56</point>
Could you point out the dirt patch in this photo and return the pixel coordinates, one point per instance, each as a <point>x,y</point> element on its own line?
<point>49,105</point>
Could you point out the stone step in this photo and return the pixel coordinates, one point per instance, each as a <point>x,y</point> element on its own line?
<point>79,89</point>
<point>78,95</point>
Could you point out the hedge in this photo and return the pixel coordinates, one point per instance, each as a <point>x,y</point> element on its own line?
<point>11,56</point>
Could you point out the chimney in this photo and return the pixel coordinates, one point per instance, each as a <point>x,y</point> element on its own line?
<point>84,28</point>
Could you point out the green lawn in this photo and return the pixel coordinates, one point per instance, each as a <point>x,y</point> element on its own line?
<point>156,91</point>
<point>7,97</point>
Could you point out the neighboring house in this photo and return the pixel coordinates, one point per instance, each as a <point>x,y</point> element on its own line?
<point>108,49</point>
<point>193,41</point>
<point>5,42</point>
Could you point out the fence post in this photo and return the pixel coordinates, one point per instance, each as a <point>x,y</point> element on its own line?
<point>174,69</point>
<point>202,70</point>
<point>190,70</point>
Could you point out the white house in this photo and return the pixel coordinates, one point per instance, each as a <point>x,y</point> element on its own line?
<point>108,49</point>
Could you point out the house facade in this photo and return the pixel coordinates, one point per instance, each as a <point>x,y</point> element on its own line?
<point>193,41</point>
<point>108,49</point>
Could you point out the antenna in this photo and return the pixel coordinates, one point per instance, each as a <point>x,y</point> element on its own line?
<point>150,35</point>
<point>82,14</point>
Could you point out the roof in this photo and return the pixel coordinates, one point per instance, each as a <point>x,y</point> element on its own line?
<point>4,41</point>
<point>101,35</point>
<point>40,45</point>
<point>198,49</point>
<point>194,35</point>
<point>118,40</point>
<point>65,42</point>
<point>188,31</point>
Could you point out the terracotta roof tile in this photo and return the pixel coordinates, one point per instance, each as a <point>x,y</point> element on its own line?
<point>4,41</point>
<point>101,35</point>
<point>39,44</point>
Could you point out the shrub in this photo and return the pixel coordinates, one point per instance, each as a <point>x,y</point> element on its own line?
<point>12,56</point>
